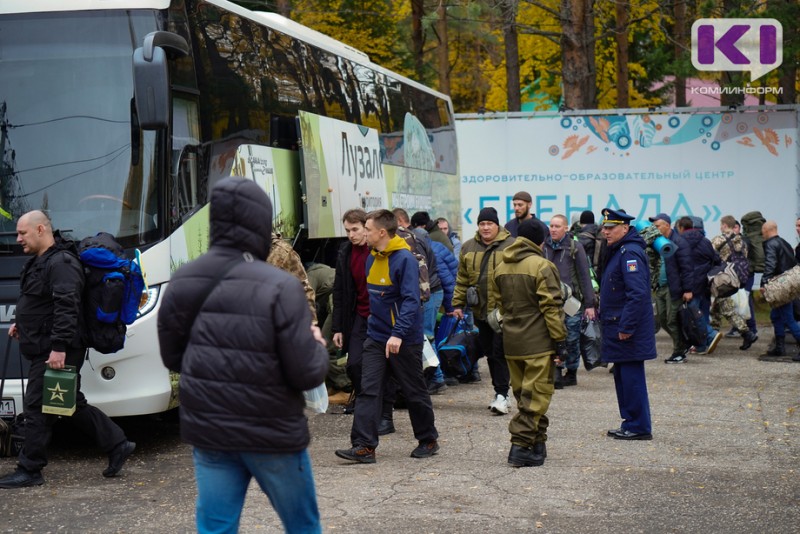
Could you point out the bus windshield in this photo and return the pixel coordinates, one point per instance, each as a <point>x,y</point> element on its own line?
<point>66,138</point>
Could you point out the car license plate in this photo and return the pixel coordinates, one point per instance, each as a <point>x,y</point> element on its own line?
<point>7,408</point>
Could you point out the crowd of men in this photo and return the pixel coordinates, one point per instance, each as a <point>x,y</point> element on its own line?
<point>545,283</point>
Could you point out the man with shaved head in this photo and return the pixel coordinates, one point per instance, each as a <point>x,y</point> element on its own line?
<point>779,258</point>
<point>48,328</point>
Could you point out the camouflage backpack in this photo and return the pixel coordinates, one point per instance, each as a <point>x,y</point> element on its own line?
<point>419,253</point>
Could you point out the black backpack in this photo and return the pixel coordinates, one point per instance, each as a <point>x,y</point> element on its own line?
<point>111,294</point>
<point>740,263</point>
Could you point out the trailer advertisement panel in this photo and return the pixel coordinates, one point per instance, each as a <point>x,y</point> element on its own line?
<point>701,163</point>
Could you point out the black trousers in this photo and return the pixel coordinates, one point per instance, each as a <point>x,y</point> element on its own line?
<point>492,346</point>
<point>355,349</point>
<point>39,426</point>
<point>406,366</point>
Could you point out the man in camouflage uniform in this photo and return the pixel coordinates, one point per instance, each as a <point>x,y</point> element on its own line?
<point>283,256</point>
<point>726,307</point>
<point>527,290</point>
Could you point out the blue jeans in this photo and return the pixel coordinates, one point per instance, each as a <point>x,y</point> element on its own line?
<point>783,317</point>
<point>573,327</point>
<point>431,309</point>
<point>223,477</point>
<point>429,325</point>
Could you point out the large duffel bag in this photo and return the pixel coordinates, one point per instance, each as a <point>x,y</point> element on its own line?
<point>783,288</point>
<point>459,351</point>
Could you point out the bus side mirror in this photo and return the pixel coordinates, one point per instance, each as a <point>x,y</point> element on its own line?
<point>151,85</point>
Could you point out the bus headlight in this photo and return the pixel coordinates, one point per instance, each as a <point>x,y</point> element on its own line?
<point>148,301</point>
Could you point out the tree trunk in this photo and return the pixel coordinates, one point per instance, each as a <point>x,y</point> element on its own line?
<point>787,82</point>
<point>417,38</point>
<point>443,50</point>
<point>622,54</point>
<point>284,7</point>
<point>577,54</point>
<point>509,14</point>
<point>731,78</point>
<point>680,51</point>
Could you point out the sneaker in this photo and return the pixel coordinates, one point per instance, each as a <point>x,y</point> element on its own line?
<point>22,478</point>
<point>363,455</point>
<point>425,450</point>
<point>500,405</point>
<point>714,342</point>
<point>676,358</point>
<point>117,457</point>
<point>451,381</point>
<point>436,388</point>
<point>698,350</point>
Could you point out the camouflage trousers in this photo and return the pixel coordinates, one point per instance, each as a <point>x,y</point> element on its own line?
<point>532,385</point>
<point>726,308</point>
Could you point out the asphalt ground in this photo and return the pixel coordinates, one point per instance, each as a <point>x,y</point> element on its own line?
<point>724,459</point>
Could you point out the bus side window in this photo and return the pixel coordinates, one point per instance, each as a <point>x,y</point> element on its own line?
<point>187,193</point>
<point>283,132</point>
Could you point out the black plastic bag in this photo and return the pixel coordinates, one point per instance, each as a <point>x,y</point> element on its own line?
<point>690,319</point>
<point>590,344</point>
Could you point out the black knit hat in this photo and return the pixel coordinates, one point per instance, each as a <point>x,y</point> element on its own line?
<point>587,217</point>
<point>420,218</point>
<point>488,214</point>
<point>533,229</point>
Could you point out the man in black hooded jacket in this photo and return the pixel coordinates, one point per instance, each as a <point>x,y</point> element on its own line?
<point>239,331</point>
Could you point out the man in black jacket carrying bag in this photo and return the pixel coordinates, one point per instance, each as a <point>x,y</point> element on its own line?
<point>48,328</point>
<point>779,258</point>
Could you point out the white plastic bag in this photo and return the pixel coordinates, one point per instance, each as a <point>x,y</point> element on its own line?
<point>742,301</point>
<point>317,398</point>
<point>429,358</point>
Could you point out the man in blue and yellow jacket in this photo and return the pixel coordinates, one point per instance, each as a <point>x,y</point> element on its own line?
<point>394,342</point>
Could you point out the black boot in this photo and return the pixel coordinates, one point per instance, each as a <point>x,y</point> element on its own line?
<point>524,457</point>
<point>559,379</point>
<point>749,339</point>
<point>386,426</point>
<point>780,347</point>
<point>540,449</point>
<point>571,377</point>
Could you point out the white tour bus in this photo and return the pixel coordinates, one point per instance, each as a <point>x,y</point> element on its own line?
<point>119,115</point>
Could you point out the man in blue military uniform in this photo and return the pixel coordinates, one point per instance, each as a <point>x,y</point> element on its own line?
<point>626,312</point>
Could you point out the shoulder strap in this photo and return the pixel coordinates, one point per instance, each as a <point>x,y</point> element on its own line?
<point>730,245</point>
<point>228,267</point>
<point>485,259</point>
